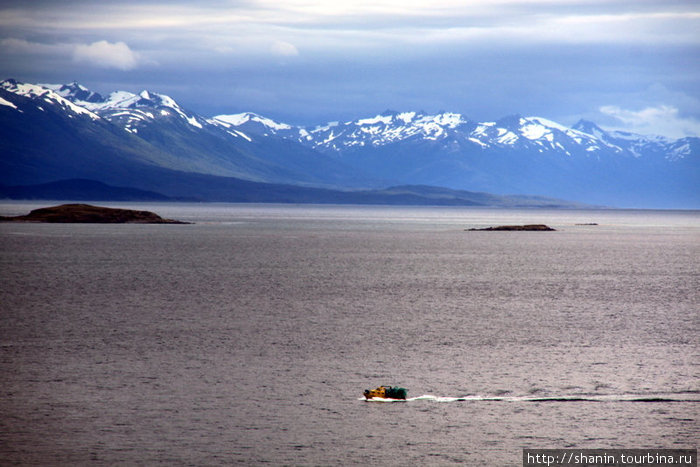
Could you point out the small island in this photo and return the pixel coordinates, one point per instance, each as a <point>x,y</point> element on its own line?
<point>529,227</point>
<point>87,214</point>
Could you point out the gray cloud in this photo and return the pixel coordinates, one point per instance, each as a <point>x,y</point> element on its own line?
<point>106,55</point>
<point>307,61</point>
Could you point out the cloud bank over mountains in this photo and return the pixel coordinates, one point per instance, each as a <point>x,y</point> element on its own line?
<point>307,61</point>
<point>664,119</point>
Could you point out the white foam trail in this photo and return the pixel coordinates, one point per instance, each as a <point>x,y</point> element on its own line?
<point>652,397</point>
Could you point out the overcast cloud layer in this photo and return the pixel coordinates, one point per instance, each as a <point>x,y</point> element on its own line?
<point>629,64</point>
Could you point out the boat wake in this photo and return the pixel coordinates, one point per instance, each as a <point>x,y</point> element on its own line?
<point>690,396</point>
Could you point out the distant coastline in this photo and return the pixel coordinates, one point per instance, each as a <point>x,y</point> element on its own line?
<point>207,188</point>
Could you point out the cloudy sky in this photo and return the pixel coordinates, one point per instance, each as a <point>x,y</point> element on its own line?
<point>632,64</point>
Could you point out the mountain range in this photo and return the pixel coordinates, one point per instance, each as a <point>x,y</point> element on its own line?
<point>66,136</point>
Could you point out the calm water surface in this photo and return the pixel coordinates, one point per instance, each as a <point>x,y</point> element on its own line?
<point>249,337</point>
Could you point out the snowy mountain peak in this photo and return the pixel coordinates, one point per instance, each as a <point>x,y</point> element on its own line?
<point>132,109</point>
<point>75,92</point>
<point>251,118</point>
<point>385,128</point>
<point>527,154</point>
<point>445,132</point>
<point>453,131</point>
<point>406,117</point>
<point>391,117</point>
<point>117,100</point>
<point>381,118</point>
<point>510,122</point>
<point>153,99</point>
<point>42,95</point>
<point>546,123</point>
<point>588,127</point>
<point>449,119</point>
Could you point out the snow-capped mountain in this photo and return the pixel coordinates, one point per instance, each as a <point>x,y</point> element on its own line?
<point>452,130</point>
<point>47,137</point>
<point>642,145</point>
<point>514,154</point>
<point>43,96</point>
<point>251,122</point>
<point>130,110</point>
<point>75,92</point>
<point>127,109</point>
<point>384,129</point>
<point>455,131</point>
<point>167,136</point>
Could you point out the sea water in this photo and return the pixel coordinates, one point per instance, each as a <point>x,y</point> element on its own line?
<point>249,336</point>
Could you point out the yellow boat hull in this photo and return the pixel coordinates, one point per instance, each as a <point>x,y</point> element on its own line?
<point>385,392</point>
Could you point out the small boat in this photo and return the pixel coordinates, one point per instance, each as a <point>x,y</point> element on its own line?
<point>386,392</point>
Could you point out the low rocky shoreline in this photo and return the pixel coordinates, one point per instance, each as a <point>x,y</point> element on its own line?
<point>88,214</point>
<point>529,227</point>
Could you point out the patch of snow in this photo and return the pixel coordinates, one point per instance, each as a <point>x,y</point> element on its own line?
<point>120,114</point>
<point>533,131</point>
<point>122,97</point>
<point>474,140</point>
<point>372,130</point>
<point>240,119</point>
<point>243,135</point>
<point>168,101</point>
<point>327,126</point>
<point>562,148</point>
<point>9,104</point>
<point>331,137</point>
<point>679,152</point>
<point>239,134</point>
<point>406,117</point>
<point>449,119</point>
<point>547,123</point>
<point>385,119</point>
<point>272,124</point>
<point>432,131</point>
<point>115,100</point>
<point>482,128</point>
<point>193,121</point>
<point>234,119</point>
<point>134,115</point>
<point>506,137</point>
<point>53,87</point>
